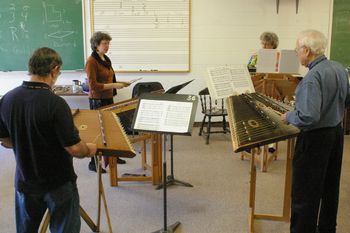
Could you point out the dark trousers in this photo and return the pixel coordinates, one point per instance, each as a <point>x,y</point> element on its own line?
<point>98,103</point>
<point>316,177</point>
<point>63,205</point>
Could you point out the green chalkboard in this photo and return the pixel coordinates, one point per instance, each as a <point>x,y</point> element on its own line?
<point>29,24</point>
<point>340,46</point>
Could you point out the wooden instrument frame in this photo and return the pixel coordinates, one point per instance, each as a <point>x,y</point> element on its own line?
<point>156,150</point>
<point>285,217</point>
<point>277,86</point>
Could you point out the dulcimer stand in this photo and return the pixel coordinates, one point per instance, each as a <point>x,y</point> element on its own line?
<point>285,217</point>
<point>101,194</point>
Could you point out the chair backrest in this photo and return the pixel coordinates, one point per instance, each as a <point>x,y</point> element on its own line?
<point>146,87</point>
<point>208,104</point>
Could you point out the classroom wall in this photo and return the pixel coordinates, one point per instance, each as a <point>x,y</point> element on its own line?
<point>223,32</point>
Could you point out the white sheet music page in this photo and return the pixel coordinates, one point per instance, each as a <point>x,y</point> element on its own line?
<point>267,61</point>
<point>225,81</point>
<point>165,116</point>
<point>288,62</point>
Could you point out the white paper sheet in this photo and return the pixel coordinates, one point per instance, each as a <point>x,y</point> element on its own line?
<point>224,81</point>
<point>164,116</point>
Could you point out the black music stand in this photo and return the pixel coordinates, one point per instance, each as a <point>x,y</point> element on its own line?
<point>166,114</point>
<point>170,180</point>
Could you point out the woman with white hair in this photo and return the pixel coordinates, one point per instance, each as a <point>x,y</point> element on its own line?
<point>321,98</point>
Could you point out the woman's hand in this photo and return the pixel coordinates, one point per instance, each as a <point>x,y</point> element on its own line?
<point>119,85</point>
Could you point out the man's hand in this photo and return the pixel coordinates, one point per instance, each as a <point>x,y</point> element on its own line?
<point>284,118</point>
<point>92,149</point>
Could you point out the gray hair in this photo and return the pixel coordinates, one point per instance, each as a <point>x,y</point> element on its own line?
<point>97,37</point>
<point>270,37</point>
<point>43,61</point>
<point>314,40</point>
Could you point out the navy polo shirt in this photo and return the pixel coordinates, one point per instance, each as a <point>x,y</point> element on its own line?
<point>40,125</point>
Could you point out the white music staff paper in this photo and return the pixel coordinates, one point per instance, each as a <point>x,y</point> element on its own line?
<point>225,81</point>
<point>166,116</point>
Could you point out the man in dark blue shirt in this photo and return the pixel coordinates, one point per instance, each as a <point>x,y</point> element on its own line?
<point>39,126</point>
<point>321,98</point>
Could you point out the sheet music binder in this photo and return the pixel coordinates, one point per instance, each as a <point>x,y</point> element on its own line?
<point>176,104</point>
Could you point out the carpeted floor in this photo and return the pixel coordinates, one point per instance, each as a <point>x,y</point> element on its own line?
<point>218,202</point>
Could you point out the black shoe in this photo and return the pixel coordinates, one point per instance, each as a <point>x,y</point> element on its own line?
<point>271,150</point>
<point>121,161</point>
<point>92,167</point>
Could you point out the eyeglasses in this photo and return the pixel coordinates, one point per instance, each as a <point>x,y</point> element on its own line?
<point>298,49</point>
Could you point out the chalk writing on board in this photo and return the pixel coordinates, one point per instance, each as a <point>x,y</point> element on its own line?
<point>26,25</point>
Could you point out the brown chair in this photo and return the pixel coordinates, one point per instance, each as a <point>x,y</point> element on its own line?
<point>211,108</point>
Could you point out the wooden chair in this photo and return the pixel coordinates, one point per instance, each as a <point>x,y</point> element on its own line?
<point>211,108</point>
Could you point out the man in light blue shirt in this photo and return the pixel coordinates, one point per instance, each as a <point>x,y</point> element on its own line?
<point>321,98</point>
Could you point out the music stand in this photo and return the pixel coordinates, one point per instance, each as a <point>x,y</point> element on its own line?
<point>171,178</point>
<point>166,114</point>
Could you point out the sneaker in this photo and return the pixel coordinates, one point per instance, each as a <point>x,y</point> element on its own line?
<point>121,161</point>
<point>92,167</point>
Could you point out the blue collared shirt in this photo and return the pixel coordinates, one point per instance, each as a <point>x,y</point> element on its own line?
<point>321,96</point>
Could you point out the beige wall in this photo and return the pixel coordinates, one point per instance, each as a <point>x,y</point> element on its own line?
<point>223,32</point>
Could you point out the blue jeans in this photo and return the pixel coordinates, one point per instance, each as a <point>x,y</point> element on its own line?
<point>63,205</point>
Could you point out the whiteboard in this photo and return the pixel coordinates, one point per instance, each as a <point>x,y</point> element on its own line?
<point>147,35</point>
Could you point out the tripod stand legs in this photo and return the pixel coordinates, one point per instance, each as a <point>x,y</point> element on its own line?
<point>166,228</point>
<point>83,214</point>
<point>101,194</point>
<point>170,180</point>
<point>170,229</point>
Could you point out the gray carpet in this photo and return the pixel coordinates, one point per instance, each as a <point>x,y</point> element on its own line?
<point>218,202</point>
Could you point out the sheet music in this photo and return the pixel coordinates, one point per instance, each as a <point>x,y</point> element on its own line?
<point>274,61</point>
<point>288,62</point>
<point>231,80</point>
<point>161,115</point>
<point>267,61</point>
